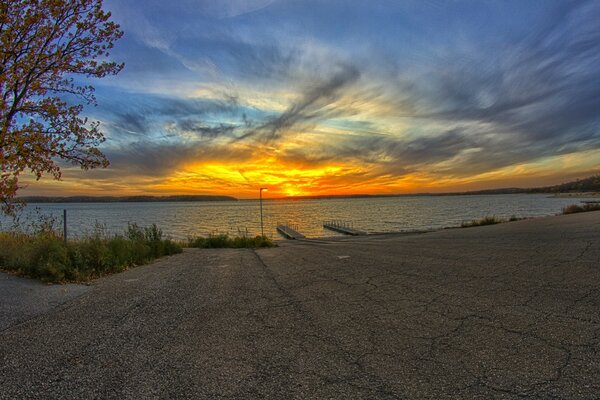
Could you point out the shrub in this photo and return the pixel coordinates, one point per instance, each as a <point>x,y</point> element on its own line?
<point>170,247</point>
<point>481,222</point>
<point>47,256</point>
<point>222,241</point>
<point>50,259</point>
<point>217,241</point>
<point>255,242</point>
<point>135,233</point>
<point>198,242</point>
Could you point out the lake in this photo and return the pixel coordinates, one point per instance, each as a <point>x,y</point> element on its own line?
<point>383,214</point>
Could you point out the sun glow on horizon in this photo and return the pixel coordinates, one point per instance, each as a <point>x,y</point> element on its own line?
<point>291,179</point>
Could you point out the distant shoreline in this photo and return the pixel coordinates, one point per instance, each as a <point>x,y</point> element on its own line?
<point>123,199</point>
<point>181,199</point>
<point>478,193</point>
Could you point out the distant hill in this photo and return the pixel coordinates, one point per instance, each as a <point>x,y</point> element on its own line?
<point>591,184</point>
<point>123,199</point>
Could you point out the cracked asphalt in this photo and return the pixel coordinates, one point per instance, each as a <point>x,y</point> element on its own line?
<point>505,311</point>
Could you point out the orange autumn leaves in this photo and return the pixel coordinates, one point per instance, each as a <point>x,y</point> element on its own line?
<point>43,44</point>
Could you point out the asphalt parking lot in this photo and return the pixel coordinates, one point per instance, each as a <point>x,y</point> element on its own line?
<point>503,311</point>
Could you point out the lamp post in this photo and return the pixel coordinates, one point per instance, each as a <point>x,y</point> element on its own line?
<point>262,231</point>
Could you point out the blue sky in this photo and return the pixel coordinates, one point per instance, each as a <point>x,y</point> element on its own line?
<point>316,97</point>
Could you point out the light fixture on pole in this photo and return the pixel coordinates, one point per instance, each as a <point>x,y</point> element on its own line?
<point>262,231</point>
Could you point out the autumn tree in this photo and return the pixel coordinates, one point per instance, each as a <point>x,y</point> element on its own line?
<point>46,48</point>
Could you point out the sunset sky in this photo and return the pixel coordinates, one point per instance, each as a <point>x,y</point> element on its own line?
<point>340,96</point>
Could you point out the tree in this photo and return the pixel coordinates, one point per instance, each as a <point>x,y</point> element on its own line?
<point>45,45</point>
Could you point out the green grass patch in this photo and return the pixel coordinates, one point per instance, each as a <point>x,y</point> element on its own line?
<point>224,241</point>
<point>574,208</point>
<point>46,256</point>
<point>482,222</point>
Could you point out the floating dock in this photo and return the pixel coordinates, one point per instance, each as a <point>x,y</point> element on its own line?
<point>288,232</point>
<point>343,227</point>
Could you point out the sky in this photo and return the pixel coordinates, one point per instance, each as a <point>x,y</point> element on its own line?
<point>322,97</point>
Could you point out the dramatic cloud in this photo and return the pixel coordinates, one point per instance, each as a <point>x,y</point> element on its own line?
<point>337,96</point>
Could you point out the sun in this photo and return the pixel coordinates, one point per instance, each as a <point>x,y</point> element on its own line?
<point>292,192</point>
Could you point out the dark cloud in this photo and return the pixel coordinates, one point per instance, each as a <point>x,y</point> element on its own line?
<point>146,116</point>
<point>148,159</point>
<point>204,131</point>
<point>130,122</point>
<point>160,159</point>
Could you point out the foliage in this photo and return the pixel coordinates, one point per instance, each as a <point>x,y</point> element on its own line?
<point>44,44</point>
<point>221,241</point>
<point>45,255</point>
<point>481,222</point>
<point>574,208</point>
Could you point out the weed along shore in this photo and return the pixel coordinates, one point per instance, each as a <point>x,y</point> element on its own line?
<point>500,311</point>
<point>47,255</point>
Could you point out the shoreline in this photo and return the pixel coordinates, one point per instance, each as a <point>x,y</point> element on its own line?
<point>577,195</point>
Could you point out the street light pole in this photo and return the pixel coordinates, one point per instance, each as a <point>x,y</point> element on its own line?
<point>262,230</point>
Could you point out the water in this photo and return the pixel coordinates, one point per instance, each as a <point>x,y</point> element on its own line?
<point>389,214</point>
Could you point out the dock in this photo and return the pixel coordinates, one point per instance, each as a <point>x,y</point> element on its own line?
<point>289,232</point>
<point>343,227</point>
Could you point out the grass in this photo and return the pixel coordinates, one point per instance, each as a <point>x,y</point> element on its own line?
<point>222,241</point>
<point>46,256</point>
<point>574,208</point>
<point>484,221</point>
<point>40,251</point>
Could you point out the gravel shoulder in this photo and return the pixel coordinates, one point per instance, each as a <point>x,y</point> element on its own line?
<point>503,311</point>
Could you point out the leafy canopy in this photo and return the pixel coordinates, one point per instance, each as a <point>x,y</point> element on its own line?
<point>44,45</point>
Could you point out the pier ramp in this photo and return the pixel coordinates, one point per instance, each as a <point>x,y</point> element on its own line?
<point>289,232</point>
<point>343,227</point>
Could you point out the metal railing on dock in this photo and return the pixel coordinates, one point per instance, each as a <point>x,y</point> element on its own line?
<point>289,232</point>
<point>343,227</point>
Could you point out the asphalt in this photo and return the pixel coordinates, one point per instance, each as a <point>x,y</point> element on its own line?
<point>503,311</point>
<point>22,299</point>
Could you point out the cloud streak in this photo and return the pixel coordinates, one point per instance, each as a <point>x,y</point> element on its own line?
<point>316,103</point>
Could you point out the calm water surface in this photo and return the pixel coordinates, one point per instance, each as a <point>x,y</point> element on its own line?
<point>390,214</point>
